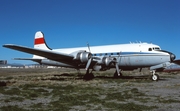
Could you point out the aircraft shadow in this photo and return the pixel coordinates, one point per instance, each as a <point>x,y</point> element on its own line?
<point>128,77</point>
<point>64,74</point>
<point>67,76</point>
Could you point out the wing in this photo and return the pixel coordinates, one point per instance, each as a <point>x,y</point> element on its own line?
<point>49,54</point>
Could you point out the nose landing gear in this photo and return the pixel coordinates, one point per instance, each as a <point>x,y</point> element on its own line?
<point>154,77</point>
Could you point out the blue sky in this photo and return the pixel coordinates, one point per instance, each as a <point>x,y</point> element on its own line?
<point>73,23</point>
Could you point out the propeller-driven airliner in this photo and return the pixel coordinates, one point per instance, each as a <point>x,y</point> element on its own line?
<point>121,57</point>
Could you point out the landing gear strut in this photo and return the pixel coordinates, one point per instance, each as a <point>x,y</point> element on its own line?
<point>117,74</point>
<point>154,77</point>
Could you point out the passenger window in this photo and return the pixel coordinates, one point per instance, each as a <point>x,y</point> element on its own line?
<point>150,49</point>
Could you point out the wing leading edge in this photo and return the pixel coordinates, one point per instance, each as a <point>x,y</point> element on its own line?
<point>49,54</point>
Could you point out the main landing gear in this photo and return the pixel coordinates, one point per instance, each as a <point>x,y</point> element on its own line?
<point>118,74</point>
<point>88,76</point>
<point>154,77</point>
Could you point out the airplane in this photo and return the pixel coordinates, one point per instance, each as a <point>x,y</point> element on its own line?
<point>122,57</point>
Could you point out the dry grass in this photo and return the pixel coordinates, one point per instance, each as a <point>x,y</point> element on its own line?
<point>64,89</point>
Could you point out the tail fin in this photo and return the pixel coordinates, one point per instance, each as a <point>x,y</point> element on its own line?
<point>39,41</point>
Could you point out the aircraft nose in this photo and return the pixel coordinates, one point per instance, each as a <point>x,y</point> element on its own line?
<point>172,56</point>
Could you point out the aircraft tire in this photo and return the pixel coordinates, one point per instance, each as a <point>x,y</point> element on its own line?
<point>117,76</point>
<point>155,77</point>
<point>89,76</point>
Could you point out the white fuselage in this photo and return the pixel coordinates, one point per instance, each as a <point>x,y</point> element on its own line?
<point>127,55</point>
<point>133,47</point>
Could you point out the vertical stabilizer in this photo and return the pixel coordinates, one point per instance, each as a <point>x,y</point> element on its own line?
<point>40,43</point>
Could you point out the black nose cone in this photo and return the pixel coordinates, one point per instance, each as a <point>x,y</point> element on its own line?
<point>172,57</point>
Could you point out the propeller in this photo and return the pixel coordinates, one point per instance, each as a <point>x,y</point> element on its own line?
<point>88,47</point>
<point>89,61</point>
<point>117,66</point>
<point>117,69</point>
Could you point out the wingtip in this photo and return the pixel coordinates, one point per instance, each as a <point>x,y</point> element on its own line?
<point>7,45</point>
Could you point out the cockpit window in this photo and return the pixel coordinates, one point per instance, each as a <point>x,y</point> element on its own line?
<point>156,48</point>
<point>153,48</point>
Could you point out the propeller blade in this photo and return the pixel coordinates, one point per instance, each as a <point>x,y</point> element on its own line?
<point>117,68</point>
<point>88,47</point>
<point>90,59</point>
<point>88,63</point>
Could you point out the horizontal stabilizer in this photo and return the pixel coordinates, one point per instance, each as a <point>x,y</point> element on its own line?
<point>176,62</point>
<point>32,59</point>
<point>26,59</point>
<point>49,54</point>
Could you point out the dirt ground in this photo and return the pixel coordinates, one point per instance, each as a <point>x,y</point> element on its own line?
<point>163,95</point>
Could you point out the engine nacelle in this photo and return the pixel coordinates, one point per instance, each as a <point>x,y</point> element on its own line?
<point>83,57</point>
<point>100,68</point>
<point>107,61</point>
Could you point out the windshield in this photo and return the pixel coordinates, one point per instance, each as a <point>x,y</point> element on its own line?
<point>154,48</point>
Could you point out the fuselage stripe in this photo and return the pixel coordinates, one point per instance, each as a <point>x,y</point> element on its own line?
<point>127,54</point>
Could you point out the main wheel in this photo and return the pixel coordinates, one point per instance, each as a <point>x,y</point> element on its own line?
<point>89,76</point>
<point>155,77</point>
<point>117,76</point>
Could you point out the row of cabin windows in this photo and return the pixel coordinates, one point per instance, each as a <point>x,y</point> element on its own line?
<point>109,54</point>
<point>106,54</point>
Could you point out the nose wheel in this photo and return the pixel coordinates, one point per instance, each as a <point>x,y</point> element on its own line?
<point>154,77</point>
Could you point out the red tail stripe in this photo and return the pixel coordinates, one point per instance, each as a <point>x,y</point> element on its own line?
<point>39,41</point>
